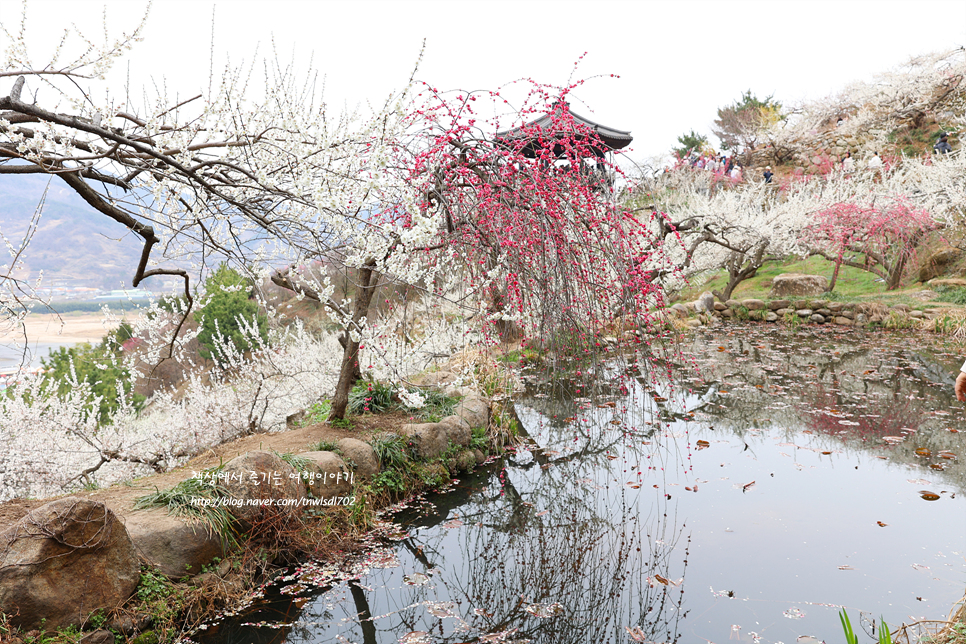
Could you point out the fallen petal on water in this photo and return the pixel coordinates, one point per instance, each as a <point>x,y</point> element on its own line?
<point>544,610</point>
<point>794,613</point>
<point>416,579</point>
<point>441,609</point>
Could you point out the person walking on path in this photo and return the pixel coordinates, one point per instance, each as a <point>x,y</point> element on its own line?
<point>848,164</point>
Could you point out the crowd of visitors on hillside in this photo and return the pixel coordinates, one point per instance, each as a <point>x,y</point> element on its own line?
<point>729,167</point>
<point>725,166</point>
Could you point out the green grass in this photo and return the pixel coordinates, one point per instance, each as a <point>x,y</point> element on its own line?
<point>373,397</point>
<point>853,284</point>
<point>178,501</point>
<point>317,413</point>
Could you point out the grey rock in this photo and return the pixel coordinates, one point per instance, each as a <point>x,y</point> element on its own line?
<point>817,319</point>
<point>732,304</point>
<point>680,310</point>
<point>753,305</point>
<point>705,302</point>
<point>926,295</point>
<point>835,306</point>
<point>848,313</point>
<point>901,307</point>
<point>719,306</point>
<point>457,430</point>
<point>693,323</point>
<point>430,438</point>
<point>474,410</point>
<point>798,284</point>
<point>917,314</point>
<point>774,305</point>
<point>825,312</point>
<point>362,456</point>
<point>63,561</point>
<point>841,320</point>
<point>328,476</point>
<point>818,304</point>
<point>256,477</point>
<point>174,546</point>
<point>771,316</point>
<point>804,313</point>
<point>727,313</point>
<point>98,637</point>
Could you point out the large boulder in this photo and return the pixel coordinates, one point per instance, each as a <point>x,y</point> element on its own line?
<point>798,284</point>
<point>172,545</point>
<point>259,480</point>
<point>474,410</point>
<point>362,456</point>
<point>704,303</point>
<point>431,439</point>
<point>937,263</point>
<point>63,561</point>
<point>327,475</point>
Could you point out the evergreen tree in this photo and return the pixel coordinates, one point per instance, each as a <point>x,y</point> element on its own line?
<point>229,303</point>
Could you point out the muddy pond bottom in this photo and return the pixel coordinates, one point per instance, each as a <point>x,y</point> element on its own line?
<point>783,477</point>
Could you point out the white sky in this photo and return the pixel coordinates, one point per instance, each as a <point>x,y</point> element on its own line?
<point>677,61</point>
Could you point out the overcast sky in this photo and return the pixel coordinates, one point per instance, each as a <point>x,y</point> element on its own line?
<point>677,62</point>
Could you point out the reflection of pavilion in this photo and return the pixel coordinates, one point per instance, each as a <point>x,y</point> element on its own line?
<point>570,134</point>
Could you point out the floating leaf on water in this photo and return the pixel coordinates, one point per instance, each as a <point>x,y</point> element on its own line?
<point>846,567</point>
<point>661,579</point>
<point>416,579</point>
<point>937,466</point>
<point>543,512</point>
<point>826,453</point>
<point>919,566</point>
<point>416,637</point>
<point>544,610</point>
<point>634,485</point>
<point>893,440</point>
<point>703,444</point>
<point>882,525</point>
<point>747,486</point>
<point>928,496</point>
<point>918,481</point>
<point>455,523</point>
<point>615,422</point>
<point>947,454</point>
<point>922,451</point>
<point>659,399</point>
<point>441,609</point>
<point>794,613</point>
<point>611,456</point>
<point>636,633</point>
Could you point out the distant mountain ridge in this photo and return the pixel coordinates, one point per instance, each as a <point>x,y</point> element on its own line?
<point>74,244</point>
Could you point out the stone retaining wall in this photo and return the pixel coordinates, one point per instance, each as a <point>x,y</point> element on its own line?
<point>798,311</point>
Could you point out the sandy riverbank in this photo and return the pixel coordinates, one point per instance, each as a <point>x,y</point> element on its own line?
<point>47,328</point>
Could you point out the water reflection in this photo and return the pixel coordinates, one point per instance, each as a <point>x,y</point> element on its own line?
<point>782,481</point>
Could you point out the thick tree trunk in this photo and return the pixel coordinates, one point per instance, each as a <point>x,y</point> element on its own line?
<point>350,371</point>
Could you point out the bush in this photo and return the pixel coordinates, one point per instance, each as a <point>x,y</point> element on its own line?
<point>99,366</point>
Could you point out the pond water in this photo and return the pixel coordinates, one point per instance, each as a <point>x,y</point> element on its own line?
<point>796,473</point>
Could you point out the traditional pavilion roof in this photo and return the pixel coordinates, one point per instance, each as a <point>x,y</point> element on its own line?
<point>609,138</point>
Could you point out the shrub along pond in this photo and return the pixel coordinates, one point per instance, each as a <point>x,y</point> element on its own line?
<point>788,474</point>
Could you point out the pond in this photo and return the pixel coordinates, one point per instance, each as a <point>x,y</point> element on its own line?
<point>793,473</point>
